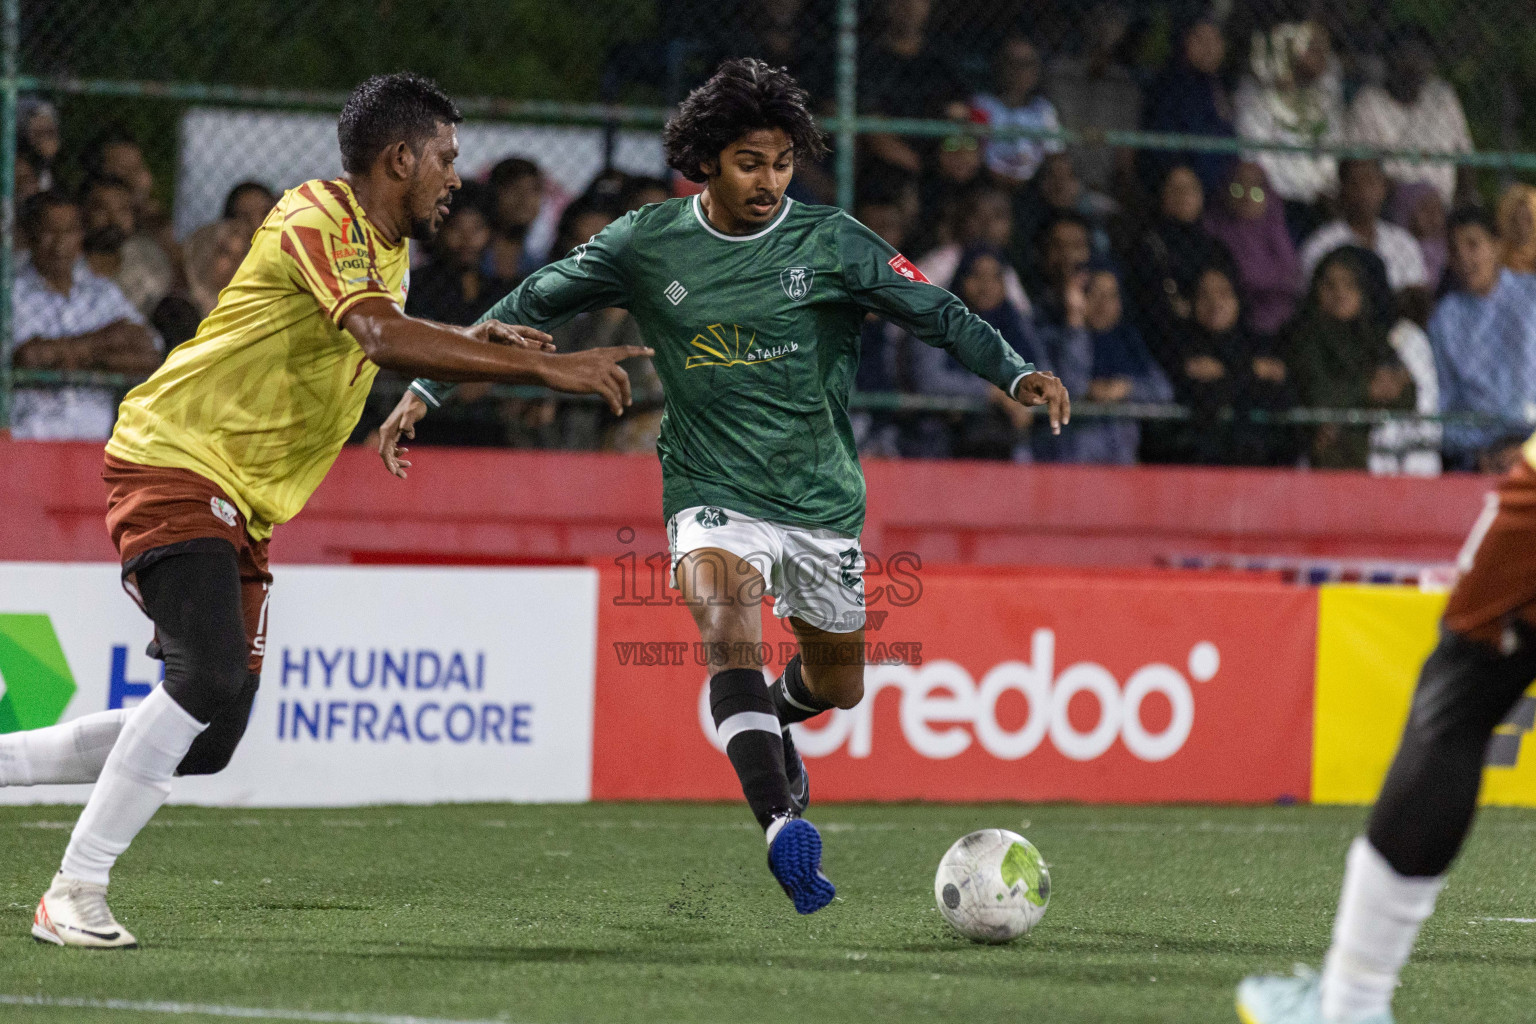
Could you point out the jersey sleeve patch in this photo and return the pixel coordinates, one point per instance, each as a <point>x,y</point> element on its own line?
<point>907,269</point>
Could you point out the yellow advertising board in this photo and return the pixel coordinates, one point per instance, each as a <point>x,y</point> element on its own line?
<point>1371,642</point>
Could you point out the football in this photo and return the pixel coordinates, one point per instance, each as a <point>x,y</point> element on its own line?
<point>992,886</point>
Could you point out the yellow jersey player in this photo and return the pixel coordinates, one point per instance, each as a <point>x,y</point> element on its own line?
<point>230,438</point>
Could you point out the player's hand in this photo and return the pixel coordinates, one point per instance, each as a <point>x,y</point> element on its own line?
<point>498,333</point>
<point>595,371</point>
<point>401,421</point>
<point>1044,388</point>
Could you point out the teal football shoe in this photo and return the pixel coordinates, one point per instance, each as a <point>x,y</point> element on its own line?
<point>1270,999</point>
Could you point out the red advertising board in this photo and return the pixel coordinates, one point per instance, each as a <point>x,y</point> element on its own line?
<point>1014,684</point>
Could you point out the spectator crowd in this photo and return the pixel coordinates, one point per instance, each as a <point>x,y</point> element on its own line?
<point>1237,284</point>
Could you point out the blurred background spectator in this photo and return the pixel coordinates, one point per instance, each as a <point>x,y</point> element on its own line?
<point>37,136</point>
<point>979,280</point>
<point>1292,93</point>
<point>1190,97</point>
<point>1484,338</point>
<point>985,215</point>
<point>1016,101</point>
<point>1096,88</point>
<point>69,318</point>
<point>1107,364</point>
<point>516,200</point>
<point>1250,222</point>
<point>1173,250</point>
<point>1415,109</point>
<point>214,252</point>
<point>1418,207</point>
<point>903,73</point>
<point>247,206</point>
<point>1362,196</point>
<point>1516,221</point>
<point>1340,357</point>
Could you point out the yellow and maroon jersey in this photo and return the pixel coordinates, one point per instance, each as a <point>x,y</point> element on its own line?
<point>261,400</point>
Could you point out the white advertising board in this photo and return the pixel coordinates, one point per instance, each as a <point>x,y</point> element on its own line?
<point>381,685</point>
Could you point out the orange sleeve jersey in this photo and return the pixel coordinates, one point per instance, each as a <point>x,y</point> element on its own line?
<point>261,400</point>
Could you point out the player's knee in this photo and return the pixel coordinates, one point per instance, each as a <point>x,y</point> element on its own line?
<point>211,751</point>
<point>207,677</point>
<point>1466,687</point>
<point>848,694</point>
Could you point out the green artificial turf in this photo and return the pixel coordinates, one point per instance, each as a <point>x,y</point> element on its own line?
<point>666,913</point>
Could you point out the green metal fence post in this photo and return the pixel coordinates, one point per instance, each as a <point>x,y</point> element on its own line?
<point>847,97</point>
<point>10,16</point>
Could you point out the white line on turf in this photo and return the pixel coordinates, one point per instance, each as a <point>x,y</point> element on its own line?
<point>246,1012</point>
<point>1510,920</point>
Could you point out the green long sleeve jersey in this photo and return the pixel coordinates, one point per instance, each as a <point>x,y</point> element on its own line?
<point>757,341</point>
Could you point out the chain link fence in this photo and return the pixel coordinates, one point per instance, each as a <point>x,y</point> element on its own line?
<point>1155,191</point>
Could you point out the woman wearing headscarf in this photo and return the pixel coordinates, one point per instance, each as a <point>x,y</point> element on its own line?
<point>981,283</point>
<point>1250,221</point>
<point>1172,250</point>
<point>1517,227</point>
<point>1222,373</point>
<point>1191,98</point>
<point>1109,366</point>
<point>1340,355</point>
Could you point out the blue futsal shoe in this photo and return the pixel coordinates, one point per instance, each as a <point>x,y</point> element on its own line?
<point>794,857</point>
<point>799,778</point>
<point>1270,999</point>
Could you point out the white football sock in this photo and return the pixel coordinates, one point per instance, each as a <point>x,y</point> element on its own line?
<point>72,752</point>
<point>134,783</point>
<point>1380,913</point>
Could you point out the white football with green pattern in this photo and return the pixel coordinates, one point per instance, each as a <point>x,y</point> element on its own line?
<point>992,886</point>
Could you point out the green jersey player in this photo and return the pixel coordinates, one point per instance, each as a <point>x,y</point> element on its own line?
<point>753,304</point>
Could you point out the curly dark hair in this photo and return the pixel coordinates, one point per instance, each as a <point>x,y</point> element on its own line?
<point>387,109</point>
<point>744,94</point>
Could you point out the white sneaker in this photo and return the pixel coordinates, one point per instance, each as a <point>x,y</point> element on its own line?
<point>75,913</point>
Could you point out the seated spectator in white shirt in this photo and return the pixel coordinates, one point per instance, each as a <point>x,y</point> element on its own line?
<point>68,318</point>
<point>1293,94</point>
<point>1017,103</point>
<point>1414,109</point>
<point>1362,196</point>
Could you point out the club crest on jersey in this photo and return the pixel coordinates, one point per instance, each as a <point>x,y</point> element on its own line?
<point>797,282</point>
<point>907,269</point>
<point>224,510</point>
<point>709,517</point>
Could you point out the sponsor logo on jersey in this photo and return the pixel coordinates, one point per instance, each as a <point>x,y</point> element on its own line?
<point>675,293</point>
<point>352,231</point>
<point>796,282</point>
<point>724,346</point>
<point>907,269</point>
<point>224,510</point>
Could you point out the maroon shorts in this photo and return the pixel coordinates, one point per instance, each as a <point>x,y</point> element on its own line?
<point>154,512</point>
<point>1498,562</point>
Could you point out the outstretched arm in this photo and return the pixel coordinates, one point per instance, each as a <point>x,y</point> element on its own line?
<point>885,282</point>
<point>591,277</point>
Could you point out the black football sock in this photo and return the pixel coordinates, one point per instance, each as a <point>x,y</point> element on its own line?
<point>791,699</point>
<point>749,729</point>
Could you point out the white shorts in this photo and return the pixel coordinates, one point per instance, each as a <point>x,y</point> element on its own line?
<point>815,575</point>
